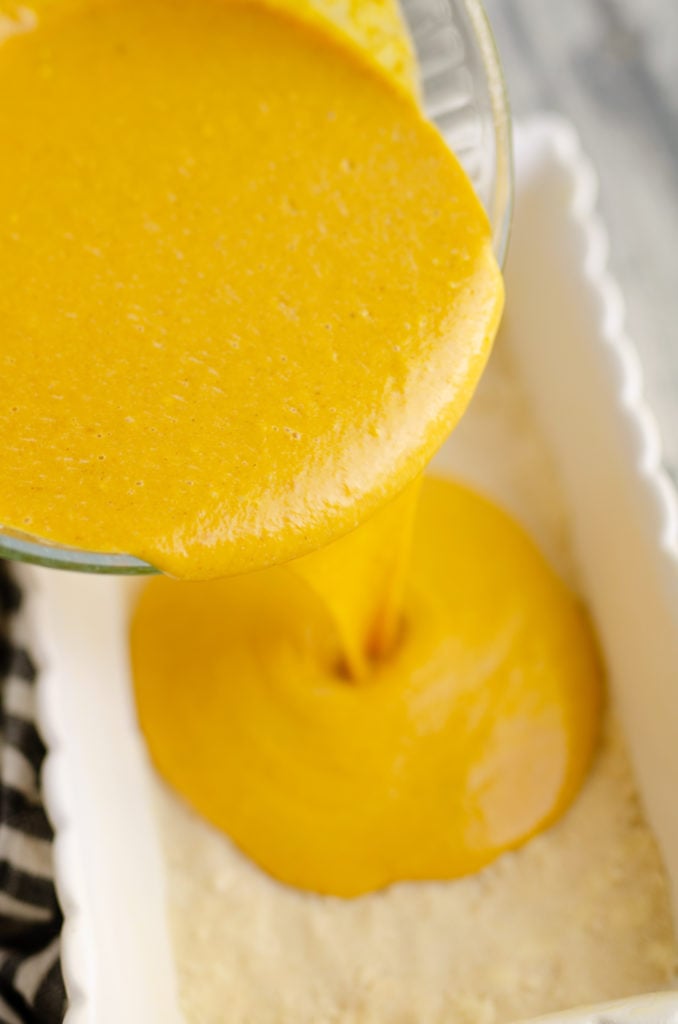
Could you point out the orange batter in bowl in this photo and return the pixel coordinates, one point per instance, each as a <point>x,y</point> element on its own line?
<point>247,290</point>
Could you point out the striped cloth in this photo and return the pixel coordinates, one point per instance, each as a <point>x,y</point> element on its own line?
<point>31,985</point>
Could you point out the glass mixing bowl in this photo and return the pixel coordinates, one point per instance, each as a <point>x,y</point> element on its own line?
<point>464,94</point>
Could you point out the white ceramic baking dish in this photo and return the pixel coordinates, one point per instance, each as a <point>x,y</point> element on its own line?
<point>564,323</point>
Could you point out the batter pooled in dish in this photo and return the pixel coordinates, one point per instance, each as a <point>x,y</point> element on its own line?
<point>469,736</point>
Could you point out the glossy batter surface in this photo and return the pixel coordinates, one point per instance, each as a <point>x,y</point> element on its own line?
<point>472,736</point>
<point>246,289</point>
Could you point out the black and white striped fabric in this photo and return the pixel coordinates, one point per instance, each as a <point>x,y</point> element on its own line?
<point>31,985</point>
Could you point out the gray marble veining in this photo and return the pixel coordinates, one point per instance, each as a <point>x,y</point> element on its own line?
<point>611,66</point>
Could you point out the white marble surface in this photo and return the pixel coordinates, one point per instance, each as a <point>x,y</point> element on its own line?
<point>612,67</point>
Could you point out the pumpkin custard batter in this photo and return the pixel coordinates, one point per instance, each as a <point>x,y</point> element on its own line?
<point>472,735</point>
<point>245,284</point>
<point>250,291</point>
